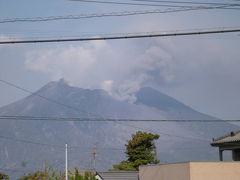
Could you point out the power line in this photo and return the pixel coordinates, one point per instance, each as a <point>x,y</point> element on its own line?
<point>186,2</point>
<point>31,118</point>
<point>149,4</point>
<point>78,119</point>
<point>82,16</point>
<point>13,170</point>
<point>167,134</point>
<point>210,5</point>
<point>29,142</point>
<point>127,125</point>
<point>73,147</point>
<point>115,34</point>
<point>110,14</point>
<point>43,97</point>
<point>52,145</point>
<point>127,3</point>
<point>50,100</point>
<point>121,37</point>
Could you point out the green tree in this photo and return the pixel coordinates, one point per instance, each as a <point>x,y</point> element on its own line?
<point>140,150</point>
<point>4,176</point>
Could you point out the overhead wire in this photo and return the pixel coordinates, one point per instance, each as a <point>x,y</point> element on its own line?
<point>168,134</point>
<point>126,125</point>
<point>127,3</point>
<point>78,147</point>
<point>95,15</point>
<point>13,170</point>
<point>111,14</point>
<point>132,120</point>
<point>64,119</point>
<point>86,34</point>
<point>185,2</point>
<point>54,145</point>
<point>134,36</point>
<point>70,146</point>
<point>45,98</point>
<point>28,118</point>
<point>78,119</point>
<point>149,4</point>
<point>210,4</point>
<point>29,141</point>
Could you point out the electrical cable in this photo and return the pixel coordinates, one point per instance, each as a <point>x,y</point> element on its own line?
<point>121,37</point>
<point>127,3</point>
<point>117,34</point>
<point>45,98</point>
<point>148,4</point>
<point>103,120</point>
<point>77,119</point>
<point>110,14</point>
<point>53,145</point>
<point>185,2</point>
<point>82,16</point>
<point>12,170</point>
<point>128,125</point>
<point>30,142</point>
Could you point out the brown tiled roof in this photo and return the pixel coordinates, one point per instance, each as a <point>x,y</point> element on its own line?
<point>232,137</point>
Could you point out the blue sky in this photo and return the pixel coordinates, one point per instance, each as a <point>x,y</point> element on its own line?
<point>201,71</point>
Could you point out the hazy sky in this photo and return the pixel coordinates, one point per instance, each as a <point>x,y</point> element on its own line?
<point>201,71</point>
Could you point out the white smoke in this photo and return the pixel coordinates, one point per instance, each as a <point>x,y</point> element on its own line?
<point>102,65</point>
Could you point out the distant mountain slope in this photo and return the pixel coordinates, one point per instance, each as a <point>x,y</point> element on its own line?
<point>178,142</point>
<point>154,98</point>
<point>67,101</point>
<point>175,109</point>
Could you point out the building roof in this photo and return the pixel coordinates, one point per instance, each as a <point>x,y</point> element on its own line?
<point>233,137</point>
<point>118,175</point>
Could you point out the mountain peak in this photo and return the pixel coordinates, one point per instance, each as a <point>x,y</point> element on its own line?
<point>54,84</point>
<point>62,81</point>
<point>58,99</point>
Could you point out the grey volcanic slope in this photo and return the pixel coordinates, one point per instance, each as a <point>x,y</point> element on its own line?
<point>178,141</point>
<point>175,109</point>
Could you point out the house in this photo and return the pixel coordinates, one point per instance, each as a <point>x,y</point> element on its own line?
<point>117,175</point>
<point>230,142</point>
<point>191,171</point>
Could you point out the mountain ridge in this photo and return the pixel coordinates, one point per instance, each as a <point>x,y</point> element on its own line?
<point>68,101</point>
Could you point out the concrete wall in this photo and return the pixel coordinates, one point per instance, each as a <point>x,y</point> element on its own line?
<point>191,171</point>
<point>215,171</point>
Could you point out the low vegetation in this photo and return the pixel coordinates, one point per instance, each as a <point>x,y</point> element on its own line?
<point>50,174</point>
<point>4,176</point>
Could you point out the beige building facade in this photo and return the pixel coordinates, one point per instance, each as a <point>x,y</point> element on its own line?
<point>191,171</point>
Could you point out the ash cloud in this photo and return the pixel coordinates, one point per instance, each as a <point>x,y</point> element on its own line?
<point>102,65</point>
<point>201,72</point>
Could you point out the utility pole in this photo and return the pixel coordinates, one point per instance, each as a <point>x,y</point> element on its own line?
<point>94,158</point>
<point>94,154</point>
<point>66,162</point>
